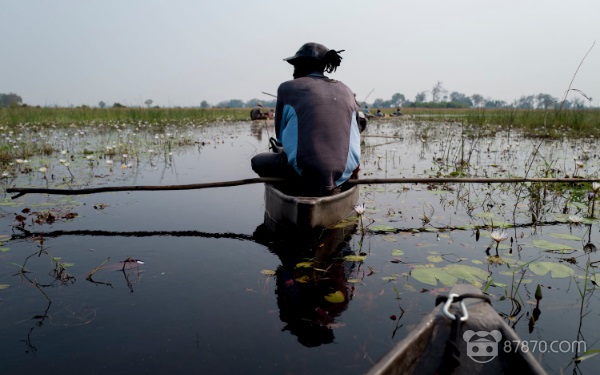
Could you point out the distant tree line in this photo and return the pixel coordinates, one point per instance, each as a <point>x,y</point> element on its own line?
<point>9,100</point>
<point>437,97</point>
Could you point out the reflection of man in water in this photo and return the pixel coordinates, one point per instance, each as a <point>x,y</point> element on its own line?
<point>310,299</point>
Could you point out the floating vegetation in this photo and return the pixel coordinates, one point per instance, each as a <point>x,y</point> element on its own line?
<point>557,270</point>
<point>538,229</point>
<point>551,246</point>
<point>450,275</point>
<point>335,297</point>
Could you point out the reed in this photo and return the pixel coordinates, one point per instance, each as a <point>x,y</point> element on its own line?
<point>551,123</point>
<point>82,115</point>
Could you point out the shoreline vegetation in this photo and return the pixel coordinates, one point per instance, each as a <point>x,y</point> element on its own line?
<point>550,123</point>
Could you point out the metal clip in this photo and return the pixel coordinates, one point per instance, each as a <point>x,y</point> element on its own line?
<point>463,308</point>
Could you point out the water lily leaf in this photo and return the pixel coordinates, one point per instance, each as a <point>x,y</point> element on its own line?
<point>4,249</point>
<point>547,245</point>
<point>587,355</point>
<point>485,215</point>
<point>557,270</point>
<point>430,229</point>
<point>432,275</point>
<point>268,272</point>
<point>578,205</point>
<point>566,236</point>
<point>304,265</point>
<point>397,252</point>
<point>389,278</point>
<point>382,228</point>
<point>469,273</point>
<point>303,279</point>
<point>476,261</point>
<point>67,265</point>
<point>345,223</point>
<point>9,203</point>
<point>354,281</point>
<point>4,286</point>
<point>435,258</point>
<point>389,238</point>
<point>355,258</point>
<point>337,297</point>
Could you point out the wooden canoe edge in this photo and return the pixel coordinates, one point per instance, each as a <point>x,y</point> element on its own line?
<point>421,351</point>
<point>290,213</point>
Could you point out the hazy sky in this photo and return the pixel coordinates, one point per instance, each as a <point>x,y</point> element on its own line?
<point>180,52</point>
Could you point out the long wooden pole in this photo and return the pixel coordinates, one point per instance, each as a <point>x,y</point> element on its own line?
<point>365,181</point>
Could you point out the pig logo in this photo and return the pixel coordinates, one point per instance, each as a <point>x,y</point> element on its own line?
<point>484,347</point>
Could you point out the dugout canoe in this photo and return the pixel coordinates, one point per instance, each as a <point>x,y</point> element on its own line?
<point>284,213</point>
<point>422,350</point>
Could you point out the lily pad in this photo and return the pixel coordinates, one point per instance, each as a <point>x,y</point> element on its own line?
<point>566,236</point>
<point>382,228</point>
<point>431,275</point>
<point>303,279</point>
<point>336,297</point>
<point>304,265</point>
<point>355,258</point>
<point>435,258</point>
<point>471,274</point>
<point>268,272</point>
<point>553,246</point>
<point>485,215</point>
<point>397,252</point>
<point>345,223</point>
<point>557,270</point>
<point>4,249</point>
<point>4,286</point>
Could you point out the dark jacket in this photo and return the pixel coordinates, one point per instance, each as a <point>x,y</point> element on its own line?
<point>316,121</point>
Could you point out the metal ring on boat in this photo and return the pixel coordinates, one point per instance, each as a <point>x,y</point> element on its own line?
<point>463,308</point>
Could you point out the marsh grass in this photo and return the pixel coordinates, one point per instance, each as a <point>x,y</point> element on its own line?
<point>550,123</point>
<point>67,116</point>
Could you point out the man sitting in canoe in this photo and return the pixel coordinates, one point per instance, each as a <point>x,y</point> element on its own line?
<point>317,123</point>
<point>257,114</point>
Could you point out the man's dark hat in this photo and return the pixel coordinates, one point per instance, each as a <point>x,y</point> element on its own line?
<point>309,50</point>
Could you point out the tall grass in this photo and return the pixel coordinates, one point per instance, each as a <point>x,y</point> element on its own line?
<point>532,122</point>
<point>66,116</point>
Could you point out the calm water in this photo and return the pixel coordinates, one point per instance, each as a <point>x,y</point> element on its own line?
<point>214,295</point>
